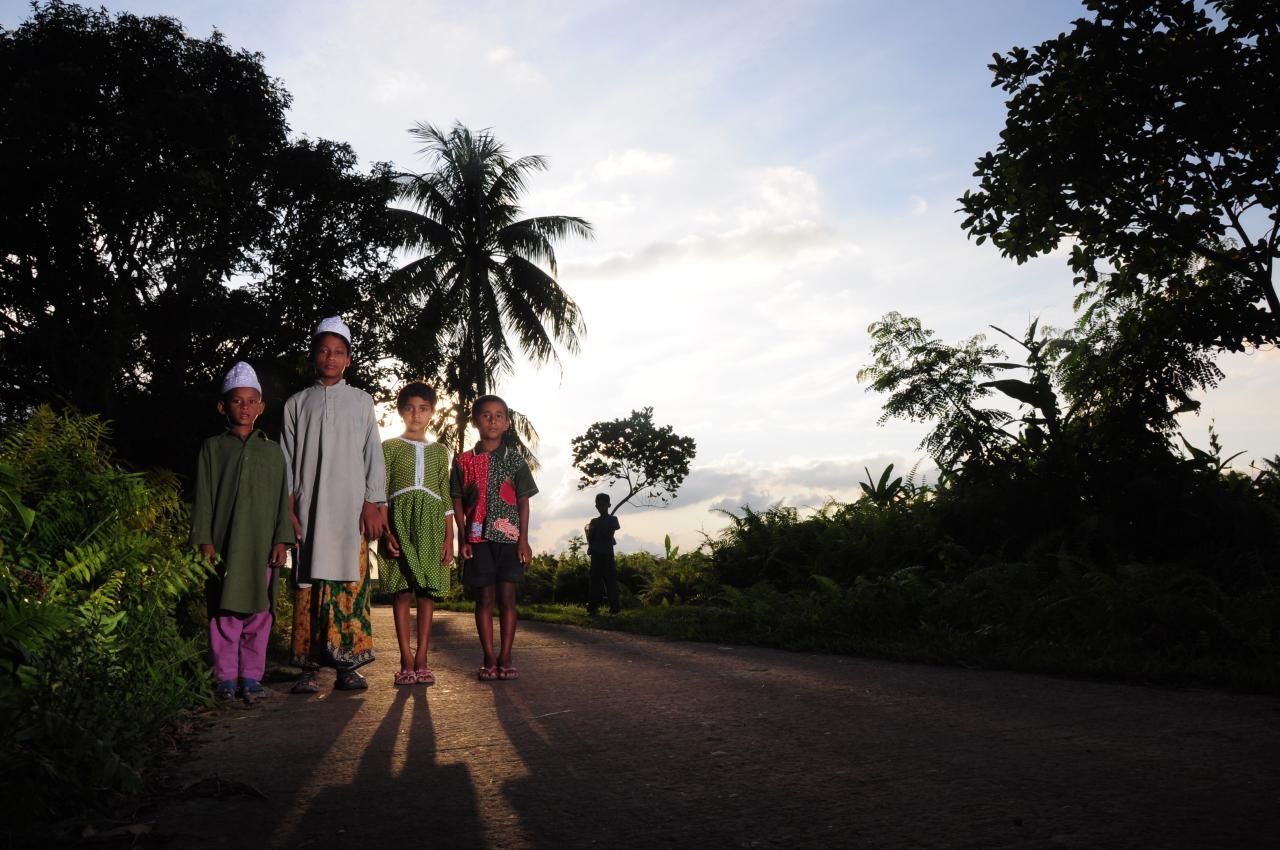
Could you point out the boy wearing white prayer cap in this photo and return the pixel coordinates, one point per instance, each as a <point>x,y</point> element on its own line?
<point>338,492</point>
<point>240,518</point>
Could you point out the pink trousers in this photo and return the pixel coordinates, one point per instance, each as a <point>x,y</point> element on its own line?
<point>239,644</point>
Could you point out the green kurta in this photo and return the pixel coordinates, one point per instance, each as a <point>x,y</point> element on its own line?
<point>419,508</point>
<point>242,507</point>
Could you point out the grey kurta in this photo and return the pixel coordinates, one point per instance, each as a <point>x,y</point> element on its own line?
<point>330,441</point>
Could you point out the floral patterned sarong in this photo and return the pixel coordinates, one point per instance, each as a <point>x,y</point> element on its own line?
<point>331,626</point>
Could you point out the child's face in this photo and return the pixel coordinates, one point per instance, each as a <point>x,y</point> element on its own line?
<point>332,357</point>
<point>491,420</point>
<point>242,406</point>
<point>417,413</point>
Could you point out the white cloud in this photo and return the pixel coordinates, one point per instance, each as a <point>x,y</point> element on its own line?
<point>631,162</point>
<point>515,68</point>
<point>778,243</point>
<point>790,193</point>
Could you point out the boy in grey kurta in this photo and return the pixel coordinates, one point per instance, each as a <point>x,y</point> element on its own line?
<point>240,517</point>
<point>338,489</point>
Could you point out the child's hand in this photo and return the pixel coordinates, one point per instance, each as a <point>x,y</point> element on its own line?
<point>297,527</point>
<point>279,554</point>
<point>393,545</point>
<point>465,551</point>
<point>446,553</point>
<point>209,552</point>
<point>373,520</point>
<point>523,552</point>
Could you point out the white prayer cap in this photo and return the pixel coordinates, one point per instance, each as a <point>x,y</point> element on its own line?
<point>333,325</point>
<point>241,375</point>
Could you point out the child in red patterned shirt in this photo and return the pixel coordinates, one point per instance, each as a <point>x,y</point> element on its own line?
<point>490,486</point>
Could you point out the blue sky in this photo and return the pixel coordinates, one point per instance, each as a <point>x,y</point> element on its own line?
<point>765,179</point>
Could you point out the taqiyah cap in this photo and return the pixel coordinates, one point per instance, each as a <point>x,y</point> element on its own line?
<point>333,325</point>
<point>241,375</point>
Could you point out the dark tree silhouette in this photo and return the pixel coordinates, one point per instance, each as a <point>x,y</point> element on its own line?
<point>651,461</point>
<point>157,223</point>
<point>1147,136</point>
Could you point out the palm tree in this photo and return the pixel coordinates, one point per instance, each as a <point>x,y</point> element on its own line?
<point>485,276</point>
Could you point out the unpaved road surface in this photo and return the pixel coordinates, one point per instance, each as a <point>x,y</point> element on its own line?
<point>616,741</point>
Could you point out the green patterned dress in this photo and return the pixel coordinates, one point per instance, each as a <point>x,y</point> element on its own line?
<point>419,507</point>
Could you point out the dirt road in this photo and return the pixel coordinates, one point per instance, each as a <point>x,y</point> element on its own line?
<point>611,740</point>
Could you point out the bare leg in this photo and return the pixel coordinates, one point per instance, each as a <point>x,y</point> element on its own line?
<point>400,613</point>
<point>484,622</point>
<point>426,609</point>
<point>507,598</point>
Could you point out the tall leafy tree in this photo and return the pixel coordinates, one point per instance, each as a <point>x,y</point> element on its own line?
<point>1148,138</point>
<point>484,281</point>
<point>930,381</point>
<point>133,161</point>
<point>329,250</point>
<point>650,461</point>
<point>157,224</point>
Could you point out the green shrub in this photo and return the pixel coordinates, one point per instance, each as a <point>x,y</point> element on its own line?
<point>93,661</point>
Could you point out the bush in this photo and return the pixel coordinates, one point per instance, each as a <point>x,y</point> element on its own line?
<point>93,662</point>
<point>1159,570</point>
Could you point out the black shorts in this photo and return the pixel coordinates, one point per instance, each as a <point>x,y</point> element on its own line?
<point>491,563</point>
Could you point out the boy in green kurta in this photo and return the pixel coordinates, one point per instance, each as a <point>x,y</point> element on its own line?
<point>241,518</point>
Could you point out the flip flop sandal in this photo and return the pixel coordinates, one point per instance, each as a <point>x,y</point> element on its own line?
<point>350,680</point>
<point>306,684</point>
<point>505,673</point>
<point>487,674</point>
<point>251,690</point>
<point>424,676</point>
<point>405,677</point>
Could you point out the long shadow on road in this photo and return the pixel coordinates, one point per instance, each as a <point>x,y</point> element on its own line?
<point>641,743</point>
<point>395,791</point>
<point>612,740</point>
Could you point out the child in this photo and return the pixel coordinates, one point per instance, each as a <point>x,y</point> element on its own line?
<point>420,533</point>
<point>338,489</point>
<point>604,571</point>
<point>241,516</point>
<point>490,487</point>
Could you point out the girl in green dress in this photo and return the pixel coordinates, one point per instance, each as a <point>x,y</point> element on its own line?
<point>420,533</point>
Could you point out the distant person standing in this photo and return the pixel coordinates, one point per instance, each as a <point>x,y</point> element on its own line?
<point>604,569</point>
<point>338,491</point>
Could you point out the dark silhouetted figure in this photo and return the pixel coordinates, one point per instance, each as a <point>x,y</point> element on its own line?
<point>604,571</point>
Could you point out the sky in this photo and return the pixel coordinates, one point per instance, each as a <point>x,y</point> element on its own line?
<point>765,180</point>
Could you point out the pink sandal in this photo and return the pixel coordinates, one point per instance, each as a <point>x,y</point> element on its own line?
<point>487,674</point>
<point>405,677</point>
<point>424,676</point>
<point>506,673</point>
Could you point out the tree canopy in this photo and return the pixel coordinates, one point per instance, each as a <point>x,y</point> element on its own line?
<point>651,461</point>
<point>931,382</point>
<point>1148,139</point>
<point>158,223</point>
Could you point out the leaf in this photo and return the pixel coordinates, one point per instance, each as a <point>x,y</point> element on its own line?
<point>1024,392</point>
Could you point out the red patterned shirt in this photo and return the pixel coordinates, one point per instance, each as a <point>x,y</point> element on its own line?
<point>489,484</point>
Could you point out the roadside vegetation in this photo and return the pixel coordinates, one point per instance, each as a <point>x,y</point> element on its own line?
<point>1167,576</point>
<point>97,658</point>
